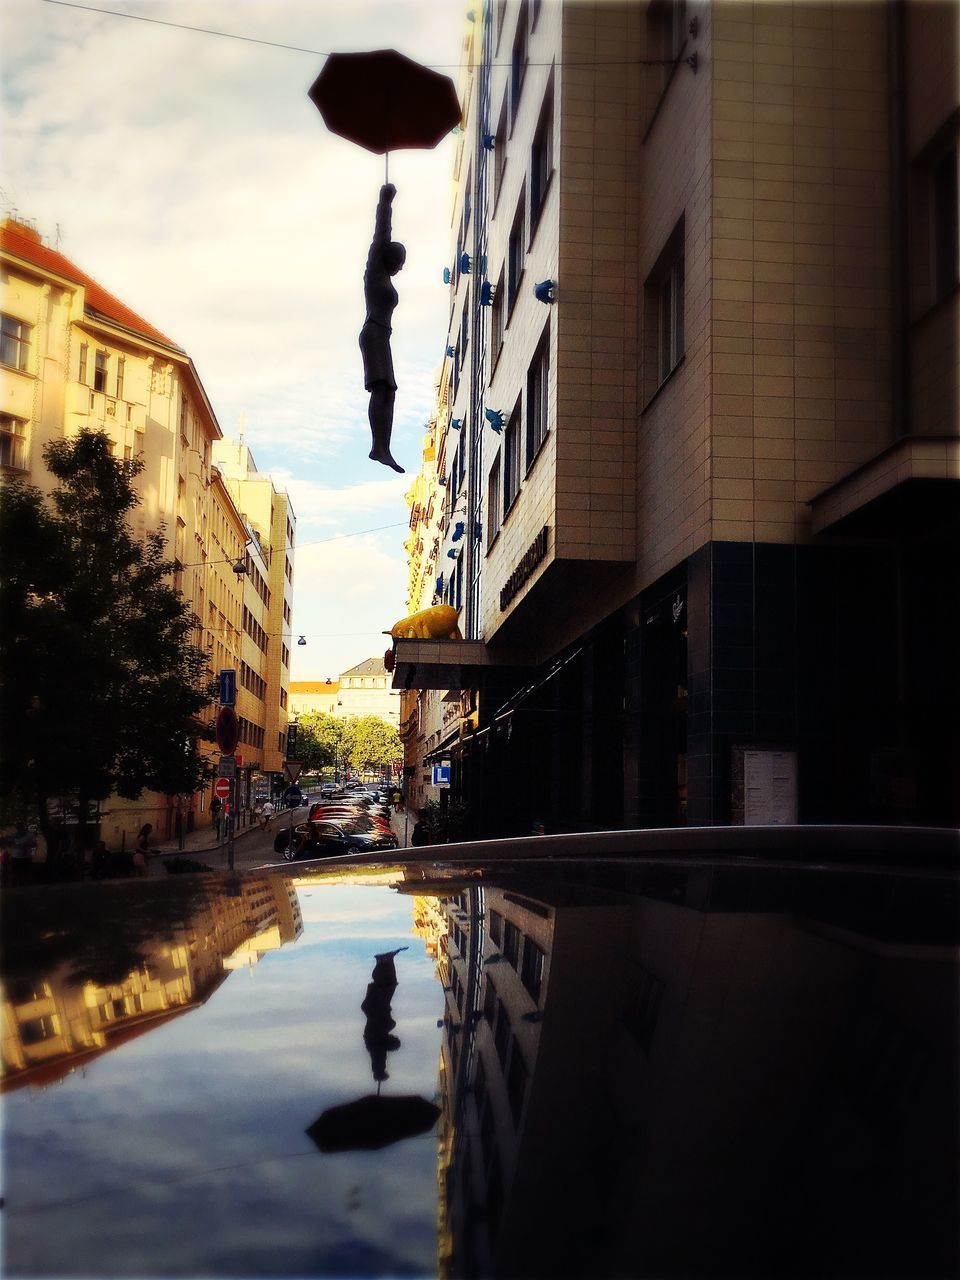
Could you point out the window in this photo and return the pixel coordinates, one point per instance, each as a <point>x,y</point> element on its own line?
<point>13,442</point>
<point>537,385</point>
<point>515,258</point>
<point>496,321</point>
<point>454,592</point>
<point>663,312</point>
<point>943,192</point>
<point>494,517</point>
<point>120,364</point>
<point>35,1030</point>
<point>501,14</point>
<point>668,33</point>
<point>511,942</point>
<point>516,1083</point>
<point>496,928</point>
<point>499,153</point>
<point>541,160</point>
<point>82,373</point>
<point>518,61</point>
<point>666,43</point>
<point>531,970</point>
<point>641,1018</point>
<point>511,461</point>
<point>100,371</point>
<point>15,342</point>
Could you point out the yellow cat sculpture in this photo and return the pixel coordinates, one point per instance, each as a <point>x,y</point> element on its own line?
<point>436,623</point>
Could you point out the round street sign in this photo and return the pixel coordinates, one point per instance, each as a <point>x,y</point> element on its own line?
<point>221,788</point>
<point>228,730</point>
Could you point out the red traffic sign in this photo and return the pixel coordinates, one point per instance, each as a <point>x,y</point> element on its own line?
<point>292,768</point>
<point>221,788</point>
<point>228,730</point>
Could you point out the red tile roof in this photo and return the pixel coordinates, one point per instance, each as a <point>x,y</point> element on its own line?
<point>24,242</point>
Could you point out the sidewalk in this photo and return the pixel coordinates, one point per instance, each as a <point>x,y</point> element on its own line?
<point>204,839</point>
<point>402,824</point>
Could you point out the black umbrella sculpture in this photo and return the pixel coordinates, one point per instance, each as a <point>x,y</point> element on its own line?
<point>384,102</point>
<point>372,1122</point>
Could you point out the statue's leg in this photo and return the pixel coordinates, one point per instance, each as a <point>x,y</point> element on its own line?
<point>382,396</point>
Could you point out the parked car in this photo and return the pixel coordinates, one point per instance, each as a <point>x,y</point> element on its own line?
<point>330,839</point>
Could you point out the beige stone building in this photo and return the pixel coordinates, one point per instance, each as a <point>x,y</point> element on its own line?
<point>73,356</point>
<point>268,612</point>
<point>702,381</point>
<point>310,697</point>
<point>365,691</point>
<point>53,1025</point>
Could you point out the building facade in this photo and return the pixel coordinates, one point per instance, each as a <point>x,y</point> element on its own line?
<point>312,697</point>
<point>365,690</point>
<point>701,444</point>
<point>268,614</point>
<point>75,356</point>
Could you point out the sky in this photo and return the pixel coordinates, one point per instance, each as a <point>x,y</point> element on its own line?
<point>190,174</point>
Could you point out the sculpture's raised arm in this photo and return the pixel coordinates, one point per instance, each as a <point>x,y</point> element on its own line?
<point>382,227</point>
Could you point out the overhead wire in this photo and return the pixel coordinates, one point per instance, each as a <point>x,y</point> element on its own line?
<point>325,53</point>
<point>337,537</point>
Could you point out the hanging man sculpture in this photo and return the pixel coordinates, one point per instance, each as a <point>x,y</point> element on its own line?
<point>385,259</point>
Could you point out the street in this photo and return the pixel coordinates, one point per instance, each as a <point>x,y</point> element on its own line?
<point>253,847</point>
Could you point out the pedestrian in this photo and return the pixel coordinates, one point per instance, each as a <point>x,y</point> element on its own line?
<point>397,799</point>
<point>419,836</point>
<point>267,816</point>
<point>215,807</point>
<point>141,850</point>
<point>100,860</point>
<point>23,844</point>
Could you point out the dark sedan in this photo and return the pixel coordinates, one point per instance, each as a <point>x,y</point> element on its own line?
<point>329,839</point>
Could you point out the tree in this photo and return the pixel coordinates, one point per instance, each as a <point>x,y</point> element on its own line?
<point>320,741</point>
<point>374,743</point>
<point>101,687</point>
<point>358,742</point>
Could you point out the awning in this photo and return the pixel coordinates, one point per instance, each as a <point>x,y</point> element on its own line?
<point>453,664</point>
<point>909,473</point>
<point>443,747</point>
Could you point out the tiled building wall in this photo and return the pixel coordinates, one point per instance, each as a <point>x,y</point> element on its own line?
<point>932,57</point>
<point>800,258</point>
<point>597,386</point>
<point>529,319</point>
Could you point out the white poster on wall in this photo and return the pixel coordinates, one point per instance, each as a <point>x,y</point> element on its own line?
<point>769,788</point>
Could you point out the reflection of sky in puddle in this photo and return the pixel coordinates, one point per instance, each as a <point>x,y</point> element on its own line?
<point>184,1152</point>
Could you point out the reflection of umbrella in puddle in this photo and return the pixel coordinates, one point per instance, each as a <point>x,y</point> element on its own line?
<point>372,1122</point>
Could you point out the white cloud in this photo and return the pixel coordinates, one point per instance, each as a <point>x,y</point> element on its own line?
<point>192,176</point>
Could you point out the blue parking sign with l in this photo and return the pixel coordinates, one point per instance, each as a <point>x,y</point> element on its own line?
<point>228,687</point>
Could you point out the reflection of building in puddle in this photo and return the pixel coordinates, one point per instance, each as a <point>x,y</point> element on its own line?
<point>632,1082</point>
<point>494,965</point>
<point>430,923</point>
<point>55,1022</point>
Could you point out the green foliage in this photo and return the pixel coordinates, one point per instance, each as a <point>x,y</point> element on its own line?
<point>320,741</point>
<point>444,823</point>
<point>101,687</point>
<point>374,743</point>
<point>358,743</point>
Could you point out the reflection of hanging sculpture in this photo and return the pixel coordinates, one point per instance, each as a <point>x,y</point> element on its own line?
<point>385,259</point>
<point>377,1034</point>
<point>370,1123</point>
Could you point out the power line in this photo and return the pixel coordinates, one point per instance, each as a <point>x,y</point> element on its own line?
<point>182,26</point>
<point>322,53</point>
<point>337,537</point>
